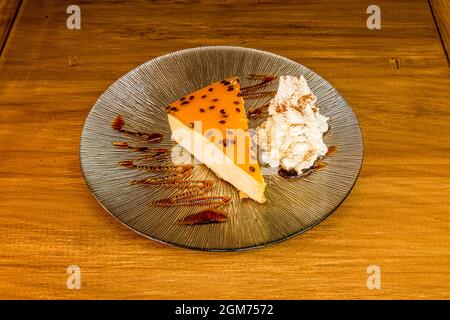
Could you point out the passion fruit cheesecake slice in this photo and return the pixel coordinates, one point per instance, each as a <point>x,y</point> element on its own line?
<point>212,125</point>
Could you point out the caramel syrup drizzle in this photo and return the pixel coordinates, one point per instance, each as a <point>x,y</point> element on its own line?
<point>318,165</point>
<point>257,95</point>
<point>132,165</point>
<point>171,176</point>
<point>331,150</point>
<point>194,196</point>
<point>260,77</point>
<point>211,201</point>
<point>153,137</point>
<point>193,192</point>
<point>172,182</point>
<point>203,217</point>
<point>252,92</point>
<point>153,152</point>
<point>256,112</point>
<point>264,81</point>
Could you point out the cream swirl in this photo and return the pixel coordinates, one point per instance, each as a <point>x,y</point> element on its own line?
<point>292,135</point>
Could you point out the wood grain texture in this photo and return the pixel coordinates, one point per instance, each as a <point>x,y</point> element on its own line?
<point>396,79</point>
<point>441,11</point>
<point>8,10</point>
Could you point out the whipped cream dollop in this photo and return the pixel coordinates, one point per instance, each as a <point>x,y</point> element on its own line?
<point>292,135</point>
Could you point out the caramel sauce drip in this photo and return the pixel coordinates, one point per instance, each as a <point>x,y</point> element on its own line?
<point>292,173</point>
<point>252,92</point>
<point>210,201</point>
<point>257,112</point>
<point>153,152</point>
<point>257,95</point>
<point>173,182</point>
<point>331,150</point>
<point>132,165</point>
<point>152,137</point>
<point>194,196</point>
<point>264,81</point>
<point>193,192</point>
<point>319,164</point>
<point>204,217</point>
<point>260,77</point>
<point>173,176</point>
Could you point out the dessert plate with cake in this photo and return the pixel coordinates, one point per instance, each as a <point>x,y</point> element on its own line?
<point>221,149</point>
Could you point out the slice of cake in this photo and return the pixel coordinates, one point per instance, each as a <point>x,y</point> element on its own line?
<point>212,125</point>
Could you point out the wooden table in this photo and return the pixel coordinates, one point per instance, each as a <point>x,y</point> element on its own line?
<point>397,217</point>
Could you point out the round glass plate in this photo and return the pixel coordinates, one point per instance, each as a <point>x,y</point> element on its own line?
<point>293,205</point>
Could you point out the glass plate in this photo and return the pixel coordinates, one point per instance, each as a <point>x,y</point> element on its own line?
<point>293,205</point>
